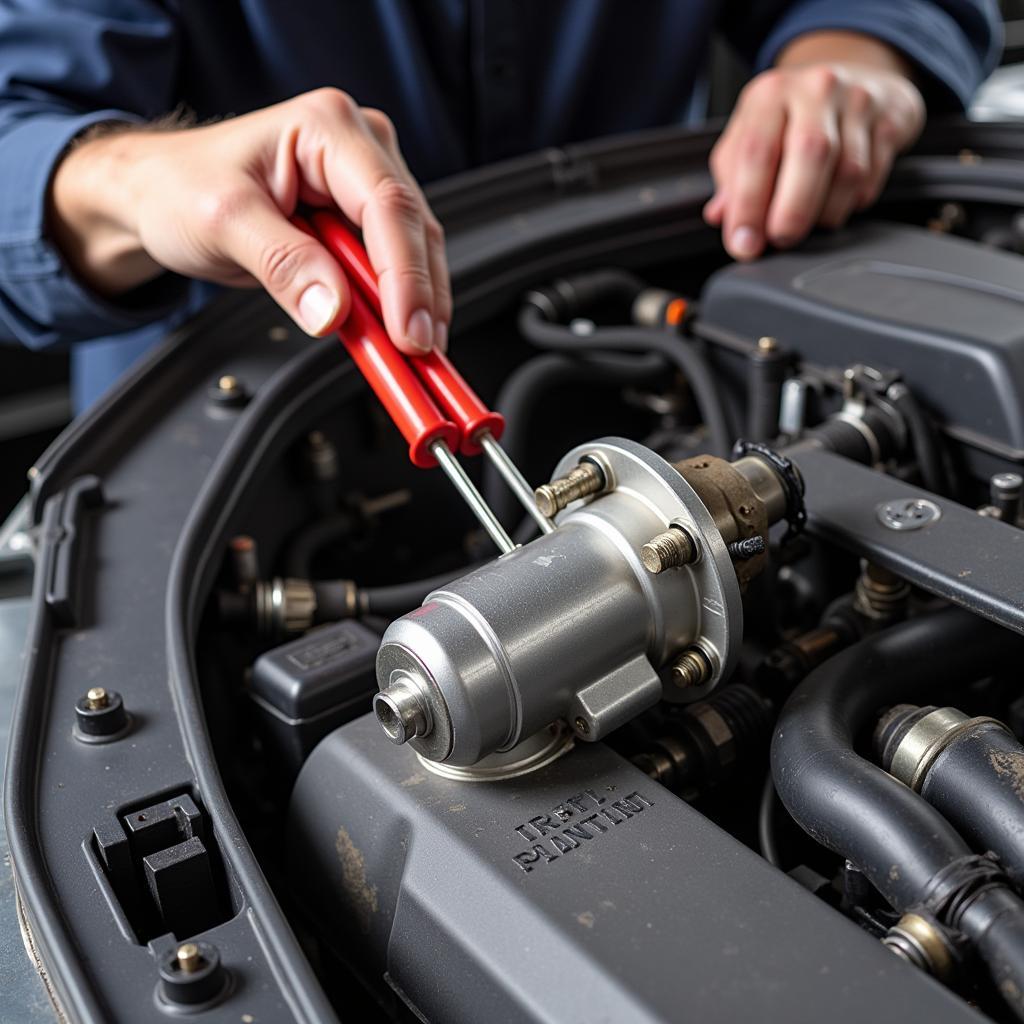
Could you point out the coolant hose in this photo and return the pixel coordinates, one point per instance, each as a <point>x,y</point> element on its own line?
<point>905,847</point>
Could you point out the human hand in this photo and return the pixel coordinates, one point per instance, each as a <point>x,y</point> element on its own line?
<point>214,203</point>
<point>808,144</point>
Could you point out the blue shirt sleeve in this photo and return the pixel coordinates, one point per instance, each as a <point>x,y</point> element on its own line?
<point>954,44</point>
<point>65,66</point>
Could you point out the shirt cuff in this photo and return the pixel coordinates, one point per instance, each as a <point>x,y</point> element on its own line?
<point>932,39</point>
<point>41,300</point>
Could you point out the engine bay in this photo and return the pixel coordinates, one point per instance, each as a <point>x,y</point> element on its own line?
<point>737,733</point>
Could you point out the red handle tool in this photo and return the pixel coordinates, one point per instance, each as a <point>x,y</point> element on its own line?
<point>413,411</point>
<point>458,400</point>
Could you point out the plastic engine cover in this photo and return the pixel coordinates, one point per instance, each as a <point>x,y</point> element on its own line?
<point>580,892</point>
<point>947,312</point>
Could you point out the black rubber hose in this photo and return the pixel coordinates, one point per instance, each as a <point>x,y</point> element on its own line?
<point>977,783</point>
<point>923,440</point>
<point>334,597</point>
<point>527,386</point>
<point>536,328</point>
<point>298,560</point>
<point>902,844</point>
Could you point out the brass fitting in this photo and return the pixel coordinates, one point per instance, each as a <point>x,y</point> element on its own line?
<point>96,698</point>
<point>189,958</point>
<point>921,942</point>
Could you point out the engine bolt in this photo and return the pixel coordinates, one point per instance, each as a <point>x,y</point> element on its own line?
<point>691,668</point>
<point>96,698</point>
<point>768,344</point>
<point>189,958</point>
<point>669,550</point>
<point>580,482</point>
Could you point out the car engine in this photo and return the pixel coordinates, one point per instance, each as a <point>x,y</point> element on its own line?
<point>733,731</point>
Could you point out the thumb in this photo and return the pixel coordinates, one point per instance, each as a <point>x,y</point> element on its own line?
<point>299,273</point>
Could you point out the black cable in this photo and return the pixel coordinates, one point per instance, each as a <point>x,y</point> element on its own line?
<point>298,560</point>
<point>537,329</point>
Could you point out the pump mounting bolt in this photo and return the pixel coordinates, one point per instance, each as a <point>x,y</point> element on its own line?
<point>692,668</point>
<point>96,697</point>
<point>669,550</point>
<point>584,480</point>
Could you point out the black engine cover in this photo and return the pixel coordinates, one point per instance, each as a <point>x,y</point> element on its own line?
<point>948,313</point>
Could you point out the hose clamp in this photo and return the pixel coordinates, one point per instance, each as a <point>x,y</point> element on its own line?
<point>928,738</point>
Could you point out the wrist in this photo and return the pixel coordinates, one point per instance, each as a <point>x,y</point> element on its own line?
<point>841,47</point>
<point>93,205</point>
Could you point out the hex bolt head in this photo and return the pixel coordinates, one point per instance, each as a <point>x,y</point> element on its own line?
<point>691,669</point>
<point>584,480</point>
<point>669,550</point>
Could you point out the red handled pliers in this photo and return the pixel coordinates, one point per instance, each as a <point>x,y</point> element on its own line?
<point>416,389</point>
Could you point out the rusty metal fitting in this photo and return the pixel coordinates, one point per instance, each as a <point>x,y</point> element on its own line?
<point>586,479</point>
<point>669,550</point>
<point>880,595</point>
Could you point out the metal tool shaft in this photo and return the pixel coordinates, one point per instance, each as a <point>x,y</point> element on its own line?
<point>472,497</point>
<point>516,481</point>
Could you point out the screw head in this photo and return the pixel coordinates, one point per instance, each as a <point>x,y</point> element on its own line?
<point>767,344</point>
<point>96,697</point>
<point>228,391</point>
<point>908,513</point>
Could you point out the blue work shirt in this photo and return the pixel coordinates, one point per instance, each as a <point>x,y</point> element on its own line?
<point>465,81</point>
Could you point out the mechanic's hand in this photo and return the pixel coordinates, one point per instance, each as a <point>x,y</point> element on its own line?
<point>808,145</point>
<point>213,202</point>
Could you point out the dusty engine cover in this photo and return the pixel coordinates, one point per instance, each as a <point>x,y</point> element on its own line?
<point>580,892</point>
<point>948,312</point>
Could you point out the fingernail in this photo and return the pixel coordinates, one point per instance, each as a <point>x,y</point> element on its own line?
<point>419,331</point>
<point>441,336</point>
<point>745,242</point>
<point>318,306</point>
